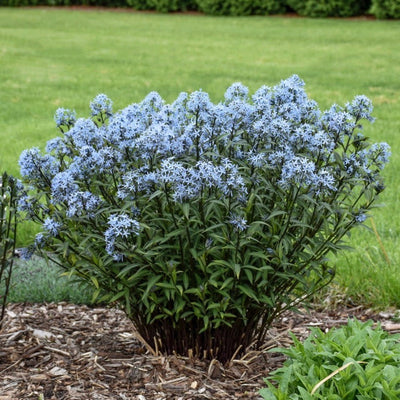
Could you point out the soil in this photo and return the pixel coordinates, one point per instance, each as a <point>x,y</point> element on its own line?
<point>73,352</point>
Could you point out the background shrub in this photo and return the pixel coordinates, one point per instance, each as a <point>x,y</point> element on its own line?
<point>386,8</point>
<point>103,3</point>
<point>19,3</point>
<point>162,5</point>
<point>172,5</point>
<point>139,4</point>
<point>329,8</point>
<point>351,362</point>
<point>204,221</point>
<point>308,8</point>
<point>214,7</point>
<point>241,7</point>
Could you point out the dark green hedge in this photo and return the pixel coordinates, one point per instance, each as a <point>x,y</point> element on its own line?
<point>162,5</point>
<point>242,7</point>
<point>386,8</point>
<point>102,3</point>
<point>213,7</point>
<point>307,8</point>
<point>329,8</point>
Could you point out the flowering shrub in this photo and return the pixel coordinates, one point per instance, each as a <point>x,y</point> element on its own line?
<point>9,190</point>
<point>204,221</point>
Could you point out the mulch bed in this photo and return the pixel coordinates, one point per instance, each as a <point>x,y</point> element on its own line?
<point>65,351</point>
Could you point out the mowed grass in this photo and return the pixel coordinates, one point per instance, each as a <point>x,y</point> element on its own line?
<point>52,58</point>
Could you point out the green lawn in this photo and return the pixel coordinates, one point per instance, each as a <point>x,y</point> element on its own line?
<point>62,58</point>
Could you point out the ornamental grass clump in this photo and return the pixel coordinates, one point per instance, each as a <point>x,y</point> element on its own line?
<point>204,221</point>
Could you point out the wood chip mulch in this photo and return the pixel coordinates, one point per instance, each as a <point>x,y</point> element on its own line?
<point>65,351</point>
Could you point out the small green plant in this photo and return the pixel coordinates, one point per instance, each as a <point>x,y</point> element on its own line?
<point>9,189</point>
<point>355,361</point>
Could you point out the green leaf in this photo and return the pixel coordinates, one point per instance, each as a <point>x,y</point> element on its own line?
<point>236,269</point>
<point>150,284</point>
<point>249,275</point>
<point>267,394</point>
<point>117,296</point>
<point>248,292</point>
<point>94,281</point>
<point>185,280</point>
<point>227,283</point>
<point>95,295</point>
<point>185,210</point>
<point>305,395</point>
<point>165,285</point>
<point>274,214</point>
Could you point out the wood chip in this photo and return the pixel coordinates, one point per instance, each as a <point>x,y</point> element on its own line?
<point>56,371</point>
<point>194,385</point>
<point>40,334</point>
<point>39,378</point>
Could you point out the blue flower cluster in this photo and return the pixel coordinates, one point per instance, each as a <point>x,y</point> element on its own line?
<point>239,223</point>
<point>64,117</point>
<point>101,104</point>
<point>51,226</point>
<point>36,167</point>
<point>81,204</point>
<point>119,226</point>
<point>189,182</point>
<point>195,149</point>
